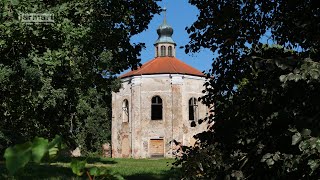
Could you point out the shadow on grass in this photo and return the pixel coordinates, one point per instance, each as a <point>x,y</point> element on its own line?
<point>172,174</point>
<point>59,172</point>
<point>51,171</point>
<point>43,171</point>
<point>90,160</point>
<point>40,172</point>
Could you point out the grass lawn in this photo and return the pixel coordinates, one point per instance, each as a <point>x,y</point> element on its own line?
<point>127,168</point>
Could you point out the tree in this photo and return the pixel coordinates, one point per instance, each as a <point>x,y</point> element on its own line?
<point>265,99</point>
<point>57,78</point>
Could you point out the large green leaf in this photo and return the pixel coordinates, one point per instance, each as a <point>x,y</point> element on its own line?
<point>39,148</point>
<point>18,156</point>
<point>56,141</point>
<point>54,146</point>
<point>53,152</point>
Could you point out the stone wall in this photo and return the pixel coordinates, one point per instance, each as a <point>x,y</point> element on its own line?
<point>132,139</point>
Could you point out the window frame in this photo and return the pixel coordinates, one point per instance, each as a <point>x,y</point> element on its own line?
<point>156,107</point>
<point>170,51</point>
<point>125,111</point>
<point>193,109</point>
<point>162,50</point>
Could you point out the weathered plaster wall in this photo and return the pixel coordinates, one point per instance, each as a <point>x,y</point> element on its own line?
<point>132,139</point>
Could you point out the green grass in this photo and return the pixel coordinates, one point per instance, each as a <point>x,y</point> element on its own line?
<point>143,168</point>
<point>127,168</point>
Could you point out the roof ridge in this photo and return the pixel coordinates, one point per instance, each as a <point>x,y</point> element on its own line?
<point>173,65</point>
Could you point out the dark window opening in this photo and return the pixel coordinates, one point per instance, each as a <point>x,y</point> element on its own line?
<point>156,108</point>
<point>163,50</point>
<point>170,51</point>
<point>193,109</point>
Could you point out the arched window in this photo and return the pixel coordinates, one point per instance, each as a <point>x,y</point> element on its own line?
<point>163,51</point>
<point>125,111</point>
<point>170,51</point>
<point>156,108</point>
<point>193,109</point>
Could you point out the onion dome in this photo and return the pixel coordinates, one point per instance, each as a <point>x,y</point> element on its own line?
<point>165,32</point>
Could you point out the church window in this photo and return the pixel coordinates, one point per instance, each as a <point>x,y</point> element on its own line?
<point>193,109</point>
<point>170,51</point>
<point>125,111</point>
<point>156,108</point>
<point>163,51</point>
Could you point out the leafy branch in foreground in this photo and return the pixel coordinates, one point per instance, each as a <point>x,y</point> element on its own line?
<point>41,149</point>
<point>18,156</point>
<point>309,155</point>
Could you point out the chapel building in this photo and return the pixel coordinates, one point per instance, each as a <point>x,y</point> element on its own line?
<point>157,103</point>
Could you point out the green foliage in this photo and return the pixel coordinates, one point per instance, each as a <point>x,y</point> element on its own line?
<point>308,157</point>
<point>19,155</point>
<point>39,148</point>
<point>78,167</point>
<point>97,172</point>
<point>57,78</point>
<point>260,93</point>
<point>250,137</point>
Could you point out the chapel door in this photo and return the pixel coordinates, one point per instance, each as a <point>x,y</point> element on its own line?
<point>156,148</point>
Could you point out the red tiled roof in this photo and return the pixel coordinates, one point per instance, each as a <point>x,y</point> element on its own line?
<point>164,65</point>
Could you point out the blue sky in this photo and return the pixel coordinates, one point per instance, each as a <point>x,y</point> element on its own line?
<point>180,14</point>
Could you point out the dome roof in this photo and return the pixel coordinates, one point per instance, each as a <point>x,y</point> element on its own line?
<point>165,32</point>
<point>164,65</point>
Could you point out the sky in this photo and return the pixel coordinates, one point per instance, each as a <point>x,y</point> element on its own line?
<point>180,14</point>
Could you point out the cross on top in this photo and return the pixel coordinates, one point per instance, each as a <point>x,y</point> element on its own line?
<point>164,10</point>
